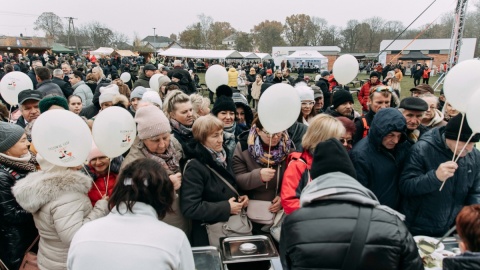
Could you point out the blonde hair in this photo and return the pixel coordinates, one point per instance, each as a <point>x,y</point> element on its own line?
<point>172,98</point>
<point>322,127</point>
<point>204,126</point>
<point>198,102</point>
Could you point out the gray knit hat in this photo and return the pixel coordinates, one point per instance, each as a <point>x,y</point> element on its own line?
<point>10,134</point>
<point>151,122</point>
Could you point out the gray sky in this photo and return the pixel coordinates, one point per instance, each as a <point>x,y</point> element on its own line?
<point>174,16</point>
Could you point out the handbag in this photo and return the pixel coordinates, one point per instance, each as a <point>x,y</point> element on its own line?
<point>29,261</point>
<point>257,210</point>
<point>237,225</point>
<point>276,228</point>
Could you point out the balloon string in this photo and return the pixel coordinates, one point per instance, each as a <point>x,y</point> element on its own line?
<point>91,177</point>
<point>458,156</point>
<point>268,157</point>
<point>458,138</point>
<point>108,176</point>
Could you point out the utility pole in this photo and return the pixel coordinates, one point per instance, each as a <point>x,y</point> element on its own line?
<point>71,26</point>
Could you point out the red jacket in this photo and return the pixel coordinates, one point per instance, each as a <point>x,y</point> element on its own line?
<point>365,92</point>
<point>295,178</point>
<point>96,194</point>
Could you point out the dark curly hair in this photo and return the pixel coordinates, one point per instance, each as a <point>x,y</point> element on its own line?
<point>143,180</point>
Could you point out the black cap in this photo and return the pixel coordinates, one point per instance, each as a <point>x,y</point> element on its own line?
<point>325,73</point>
<point>374,74</point>
<point>340,97</point>
<point>165,68</point>
<point>414,104</point>
<point>29,94</point>
<point>223,103</point>
<point>224,90</point>
<point>423,89</point>
<point>149,67</point>
<point>453,129</point>
<point>337,159</point>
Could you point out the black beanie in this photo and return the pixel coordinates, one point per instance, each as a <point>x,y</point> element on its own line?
<point>374,74</point>
<point>223,103</point>
<point>331,156</point>
<point>340,97</point>
<point>48,102</point>
<point>224,90</point>
<point>453,128</point>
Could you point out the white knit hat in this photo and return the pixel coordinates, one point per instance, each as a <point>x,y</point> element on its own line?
<point>304,91</point>
<point>107,93</point>
<point>151,122</point>
<point>152,97</point>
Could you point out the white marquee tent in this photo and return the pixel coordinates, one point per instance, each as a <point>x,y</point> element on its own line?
<point>263,56</point>
<point>102,51</point>
<point>249,55</point>
<point>207,54</point>
<point>313,57</point>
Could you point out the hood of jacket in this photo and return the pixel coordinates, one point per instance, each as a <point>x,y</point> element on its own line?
<point>384,122</point>
<point>40,188</point>
<point>232,69</point>
<point>437,119</point>
<point>78,84</point>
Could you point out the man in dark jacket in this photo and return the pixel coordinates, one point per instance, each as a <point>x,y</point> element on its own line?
<point>339,219</point>
<point>342,105</point>
<point>325,87</point>
<point>58,80</point>
<point>45,85</point>
<point>187,79</point>
<point>379,157</point>
<point>413,109</point>
<point>145,75</point>
<point>429,210</point>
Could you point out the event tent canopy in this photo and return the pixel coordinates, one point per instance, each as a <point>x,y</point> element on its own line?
<point>264,56</point>
<point>102,51</point>
<point>207,54</point>
<point>124,53</point>
<point>58,48</point>
<point>306,55</point>
<point>249,55</point>
<point>414,56</point>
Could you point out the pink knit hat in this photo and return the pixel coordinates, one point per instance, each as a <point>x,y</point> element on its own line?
<point>151,122</point>
<point>94,153</point>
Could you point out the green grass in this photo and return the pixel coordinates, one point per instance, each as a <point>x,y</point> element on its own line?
<point>406,84</point>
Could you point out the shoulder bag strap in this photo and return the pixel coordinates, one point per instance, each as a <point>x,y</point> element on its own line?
<point>224,180</point>
<point>185,167</point>
<point>357,244</point>
<point>32,244</point>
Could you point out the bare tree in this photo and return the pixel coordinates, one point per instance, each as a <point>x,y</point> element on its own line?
<point>119,40</point>
<point>173,37</point>
<point>205,23</point>
<point>315,30</point>
<point>351,36</point>
<point>50,23</point>
<point>296,29</point>
<point>268,34</point>
<point>244,42</point>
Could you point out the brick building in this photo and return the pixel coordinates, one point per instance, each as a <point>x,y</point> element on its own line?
<point>436,49</point>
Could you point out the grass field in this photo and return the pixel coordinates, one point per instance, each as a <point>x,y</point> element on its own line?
<point>406,85</point>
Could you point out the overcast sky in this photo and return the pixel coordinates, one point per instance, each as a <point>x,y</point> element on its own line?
<point>174,16</point>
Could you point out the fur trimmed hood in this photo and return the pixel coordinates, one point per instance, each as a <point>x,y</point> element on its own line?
<point>40,188</point>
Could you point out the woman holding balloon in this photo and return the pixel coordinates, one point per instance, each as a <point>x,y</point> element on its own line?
<point>259,163</point>
<point>156,142</point>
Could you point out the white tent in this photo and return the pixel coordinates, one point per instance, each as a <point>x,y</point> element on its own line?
<point>306,55</point>
<point>249,55</point>
<point>265,56</point>
<point>310,58</point>
<point>102,51</point>
<point>208,54</point>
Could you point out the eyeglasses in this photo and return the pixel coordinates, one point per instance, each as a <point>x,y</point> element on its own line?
<point>347,141</point>
<point>307,104</point>
<point>100,159</point>
<point>272,135</point>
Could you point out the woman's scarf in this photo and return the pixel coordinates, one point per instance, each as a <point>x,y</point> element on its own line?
<point>184,130</point>
<point>229,139</point>
<point>25,163</point>
<point>219,157</point>
<point>168,160</point>
<point>278,153</point>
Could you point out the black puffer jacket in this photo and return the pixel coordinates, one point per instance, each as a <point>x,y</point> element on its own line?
<point>17,229</point>
<point>429,211</point>
<point>466,261</point>
<point>318,236</point>
<point>377,168</point>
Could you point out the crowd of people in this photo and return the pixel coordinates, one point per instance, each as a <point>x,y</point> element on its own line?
<point>352,187</point>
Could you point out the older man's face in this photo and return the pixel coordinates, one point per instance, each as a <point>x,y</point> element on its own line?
<point>30,110</point>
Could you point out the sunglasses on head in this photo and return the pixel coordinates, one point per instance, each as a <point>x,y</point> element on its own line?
<point>382,89</point>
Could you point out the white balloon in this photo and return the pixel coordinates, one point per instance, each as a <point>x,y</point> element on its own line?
<point>114,131</point>
<point>345,69</point>
<point>12,84</point>
<point>62,138</point>
<point>154,85</point>
<point>473,112</point>
<point>279,107</point>
<point>125,77</point>
<point>461,82</point>
<point>215,76</point>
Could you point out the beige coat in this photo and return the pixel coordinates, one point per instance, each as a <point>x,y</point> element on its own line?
<point>60,206</point>
<point>176,218</point>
